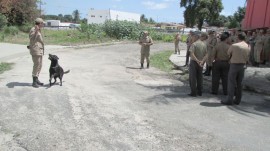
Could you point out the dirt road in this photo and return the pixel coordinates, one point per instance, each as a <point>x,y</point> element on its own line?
<point>107,103</point>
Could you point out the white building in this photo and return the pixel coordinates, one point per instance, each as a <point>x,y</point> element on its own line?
<point>100,16</point>
<point>50,23</point>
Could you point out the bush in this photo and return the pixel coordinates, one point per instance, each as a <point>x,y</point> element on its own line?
<point>92,31</point>
<point>122,29</point>
<point>25,28</point>
<point>167,38</point>
<point>156,35</point>
<point>11,30</point>
<point>3,21</point>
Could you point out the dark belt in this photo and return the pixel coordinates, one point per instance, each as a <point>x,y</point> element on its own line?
<point>238,63</point>
<point>223,60</point>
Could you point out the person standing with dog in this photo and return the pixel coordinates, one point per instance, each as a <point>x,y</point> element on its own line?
<point>145,42</point>
<point>36,47</point>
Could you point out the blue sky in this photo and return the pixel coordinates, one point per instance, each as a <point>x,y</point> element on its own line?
<point>159,10</point>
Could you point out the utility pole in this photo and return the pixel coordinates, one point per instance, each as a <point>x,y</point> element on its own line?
<point>40,7</point>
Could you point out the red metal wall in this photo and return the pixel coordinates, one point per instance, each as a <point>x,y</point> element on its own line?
<point>257,14</point>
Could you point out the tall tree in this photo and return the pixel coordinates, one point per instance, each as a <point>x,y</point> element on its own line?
<point>198,11</point>
<point>219,22</point>
<point>235,20</point>
<point>143,19</point>
<point>67,18</point>
<point>76,16</point>
<point>151,20</point>
<point>19,12</point>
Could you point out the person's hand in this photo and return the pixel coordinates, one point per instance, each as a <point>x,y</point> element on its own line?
<point>201,63</point>
<point>36,28</point>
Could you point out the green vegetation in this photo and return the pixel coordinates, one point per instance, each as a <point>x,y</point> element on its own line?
<point>161,61</point>
<point>93,33</point>
<point>5,67</point>
<point>184,38</point>
<point>198,11</point>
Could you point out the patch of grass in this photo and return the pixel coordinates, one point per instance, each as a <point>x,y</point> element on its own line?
<point>5,67</point>
<point>55,37</point>
<point>161,60</point>
<point>184,38</point>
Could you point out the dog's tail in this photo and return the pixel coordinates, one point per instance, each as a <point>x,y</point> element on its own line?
<point>66,71</point>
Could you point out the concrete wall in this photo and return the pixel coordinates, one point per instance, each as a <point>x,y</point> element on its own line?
<point>100,16</point>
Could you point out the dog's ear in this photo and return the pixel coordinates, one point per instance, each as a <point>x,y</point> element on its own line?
<point>56,57</point>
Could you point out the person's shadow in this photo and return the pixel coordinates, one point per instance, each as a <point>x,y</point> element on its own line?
<point>18,84</point>
<point>133,68</point>
<point>22,84</point>
<point>211,104</point>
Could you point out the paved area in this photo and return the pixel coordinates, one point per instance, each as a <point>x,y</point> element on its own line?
<point>108,103</point>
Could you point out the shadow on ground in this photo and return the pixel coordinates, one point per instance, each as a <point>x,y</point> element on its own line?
<point>18,84</point>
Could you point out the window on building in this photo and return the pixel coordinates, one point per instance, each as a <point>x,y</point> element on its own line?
<point>93,16</point>
<point>100,16</point>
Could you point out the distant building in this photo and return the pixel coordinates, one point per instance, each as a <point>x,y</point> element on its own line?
<point>170,26</point>
<point>58,24</point>
<point>100,16</point>
<point>50,23</point>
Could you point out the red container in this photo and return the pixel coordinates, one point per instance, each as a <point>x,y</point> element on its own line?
<point>257,15</point>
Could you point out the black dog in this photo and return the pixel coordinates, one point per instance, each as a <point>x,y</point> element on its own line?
<point>56,71</point>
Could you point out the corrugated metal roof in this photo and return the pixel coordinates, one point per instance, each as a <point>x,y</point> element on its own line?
<point>257,14</point>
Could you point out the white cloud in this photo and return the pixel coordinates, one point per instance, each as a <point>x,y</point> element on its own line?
<point>154,5</point>
<point>117,0</point>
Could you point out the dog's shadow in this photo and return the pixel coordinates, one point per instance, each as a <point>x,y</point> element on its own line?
<point>18,84</point>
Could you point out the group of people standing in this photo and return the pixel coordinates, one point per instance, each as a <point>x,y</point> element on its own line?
<point>259,43</point>
<point>225,56</point>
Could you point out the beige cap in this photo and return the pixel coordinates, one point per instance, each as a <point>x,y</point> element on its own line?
<point>204,34</point>
<point>39,20</point>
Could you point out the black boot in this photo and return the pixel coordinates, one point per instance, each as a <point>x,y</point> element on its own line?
<point>38,82</point>
<point>147,65</point>
<point>35,85</point>
<point>210,71</point>
<point>141,65</point>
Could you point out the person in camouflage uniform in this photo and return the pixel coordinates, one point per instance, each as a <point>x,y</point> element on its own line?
<point>198,55</point>
<point>211,43</point>
<point>145,42</point>
<point>36,47</point>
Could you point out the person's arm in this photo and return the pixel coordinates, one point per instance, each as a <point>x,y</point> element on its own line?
<point>230,51</point>
<point>150,42</point>
<point>192,55</point>
<point>204,59</point>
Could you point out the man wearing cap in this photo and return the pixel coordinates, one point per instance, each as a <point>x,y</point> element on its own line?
<point>239,54</point>
<point>188,42</point>
<point>36,47</point>
<point>211,43</point>
<point>198,55</point>
<point>220,64</point>
<point>145,42</point>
